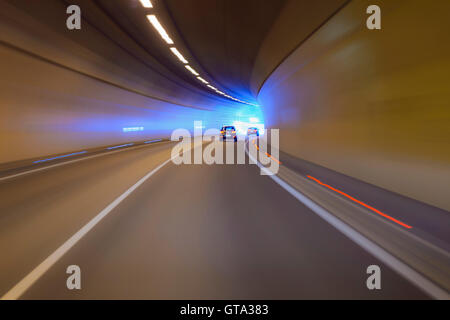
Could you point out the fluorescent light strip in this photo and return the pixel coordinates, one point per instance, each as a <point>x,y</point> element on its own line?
<point>192,70</point>
<point>154,21</point>
<point>146,3</point>
<point>178,55</point>
<point>202,80</point>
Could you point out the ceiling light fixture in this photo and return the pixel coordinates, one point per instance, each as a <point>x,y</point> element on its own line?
<point>154,21</point>
<point>202,80</point>
<point>146,3</point>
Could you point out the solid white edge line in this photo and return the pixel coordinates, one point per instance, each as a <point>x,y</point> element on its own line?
<point>400,267</point>
<point>72,161</point>
<point>20,288</point>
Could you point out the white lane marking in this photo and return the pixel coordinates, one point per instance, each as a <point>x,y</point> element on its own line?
<point>72,161</point>
<point>403,269</point>
<point>37,272</point>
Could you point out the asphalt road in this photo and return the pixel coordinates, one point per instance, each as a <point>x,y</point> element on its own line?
<point>187,232</point>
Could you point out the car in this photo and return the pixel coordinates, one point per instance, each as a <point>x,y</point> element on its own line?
<point>253,131</point>
<point>228,132</point>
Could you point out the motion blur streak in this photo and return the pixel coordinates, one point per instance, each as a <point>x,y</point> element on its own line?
<point>178,55</point>
<point>273,158</point>
<point>36,273</point>
<point>267,154</point>
<point>121,146</point>
<point>361,203</point>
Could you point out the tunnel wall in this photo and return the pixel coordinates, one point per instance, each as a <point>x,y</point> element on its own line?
<point>372,104</point>
<point>63,90</point>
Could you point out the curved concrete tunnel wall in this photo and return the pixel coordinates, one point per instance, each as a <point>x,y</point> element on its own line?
<point>63,91</point>
<point>370,104</point>
<point>373,105</point>
<point>54,110</point>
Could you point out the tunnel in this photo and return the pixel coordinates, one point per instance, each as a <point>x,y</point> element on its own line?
<point>355,119</point>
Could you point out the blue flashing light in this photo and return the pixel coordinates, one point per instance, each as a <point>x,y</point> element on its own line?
<point>121,146</point>
<point>60,157</point>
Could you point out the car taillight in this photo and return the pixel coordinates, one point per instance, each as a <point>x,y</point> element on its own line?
<point>233,131</point>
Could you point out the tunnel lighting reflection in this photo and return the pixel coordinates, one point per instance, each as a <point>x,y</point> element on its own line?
<point>192,70</point>
<point>146,3</point>
<point>154,21</point>
<point>60,157</point>
<point>133,129</point>
<point>202,80</point>
<point>178,55</point>
<point>121,146</point>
